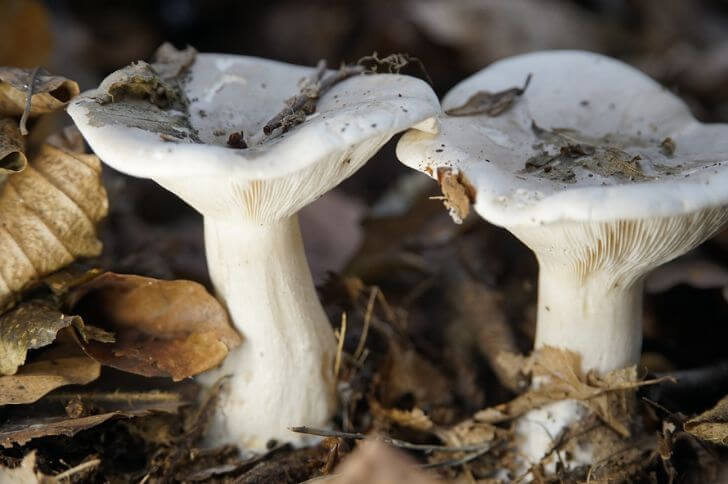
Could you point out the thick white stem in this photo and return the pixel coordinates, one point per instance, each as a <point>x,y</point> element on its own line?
<point>598,319</point>
<point>282,374</point>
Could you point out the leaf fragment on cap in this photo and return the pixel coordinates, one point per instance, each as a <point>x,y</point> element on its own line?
<point>458,193</point>
<point>490,103</point>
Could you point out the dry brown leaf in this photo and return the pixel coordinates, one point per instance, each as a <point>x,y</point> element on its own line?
<point>560,371</point>
<point>29,326</point>
<point>50,93</point>
<point>413,419</point>
<point>468,432</point>
<point>375,463</point>
<point>457,193</point>
<point>12,148</point>
<point>489,103</point>
<point>22,431</point>
<point>36,379</point>
<point>170,62</point>
<point>48,216</point>
<point>712,425</point>
<point>162,328</point>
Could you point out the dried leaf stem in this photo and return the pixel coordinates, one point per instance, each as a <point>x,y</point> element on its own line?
<point>427,448</point>
<point>28,102</point>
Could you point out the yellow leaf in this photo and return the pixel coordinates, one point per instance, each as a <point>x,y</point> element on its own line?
<point>50,93</point>
<point>48,217</point>
<point>712,425</point>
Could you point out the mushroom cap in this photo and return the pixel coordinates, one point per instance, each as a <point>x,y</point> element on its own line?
<point>229,93</point>
<point>184,147</point>
<point>647,156</point>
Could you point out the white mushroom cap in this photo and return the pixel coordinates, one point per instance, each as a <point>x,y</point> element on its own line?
<point>607,103</point>
<point>230,93</point>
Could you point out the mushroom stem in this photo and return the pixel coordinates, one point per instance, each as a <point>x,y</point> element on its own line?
<point>599,319</point>
<point>282,374</point>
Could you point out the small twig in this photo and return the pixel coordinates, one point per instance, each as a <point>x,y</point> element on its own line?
<point>427,448</point>
<point>67,474</point>
<point>304,103</point>
<point>367,322</point>
<point>152,396</point>
<point>340,348</point>
<point>457,462</point>
<point>28,102</point>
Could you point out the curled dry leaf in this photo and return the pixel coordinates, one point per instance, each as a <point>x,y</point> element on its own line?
<point>12,148</point>
<point>457,193</point>
<point>29,326</point>
<point>50,93</point>
<point>20,431</point>
<point>560,370</point>
<point>712,425</point>
<point>413,419</point>
<point>36,379</point>
<point>48,217</point>
<point>162,328</point>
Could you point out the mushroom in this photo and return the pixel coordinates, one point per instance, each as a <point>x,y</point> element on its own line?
<point>172,122</point>
<point>598,169</point>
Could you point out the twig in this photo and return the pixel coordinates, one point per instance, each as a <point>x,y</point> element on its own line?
<point>367,322</point>
<point>457,462</point>
<point>28,98</point>
<point>427,448</point>
<point>304,103</point>
<point>340,348</point>
<point>67,474</point>
<point>152,396</point>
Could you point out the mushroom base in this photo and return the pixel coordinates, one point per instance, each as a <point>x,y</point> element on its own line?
<point>282,374</point>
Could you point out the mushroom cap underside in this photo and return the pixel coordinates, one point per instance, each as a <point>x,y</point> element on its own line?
<point>590,139</point>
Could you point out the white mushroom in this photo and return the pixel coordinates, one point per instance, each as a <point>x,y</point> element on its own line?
<point>282,373</point>
<point>602,172</point>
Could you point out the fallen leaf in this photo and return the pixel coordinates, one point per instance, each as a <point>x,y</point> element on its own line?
<point>37,378</point>
<point>12,148</point>
<point>490,103</point>
<point>375,463</point>
<point>712,425</point>
<point>413,419</point>
<point>169,62</point>
<point>23,430</point>
<point>162,328</point>
<point>29,326</point>
<point>26,473</point>
<point>48,216</point>
<point>50,93</point>
<point>458,193</point>
<point>560,377</point>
